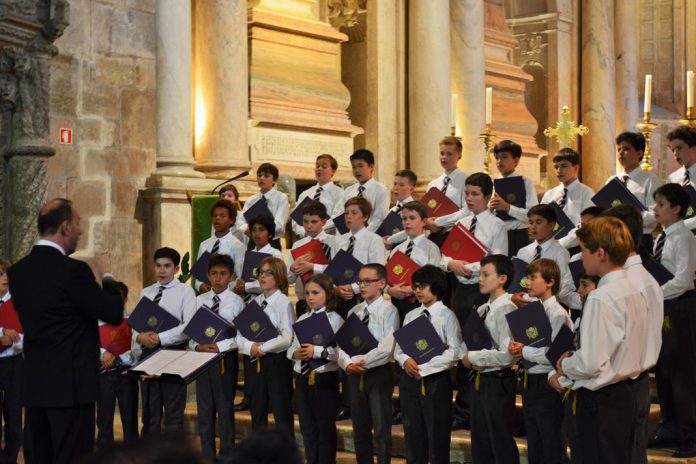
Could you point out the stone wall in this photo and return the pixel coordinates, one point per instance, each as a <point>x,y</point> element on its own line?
<point>103,87</point>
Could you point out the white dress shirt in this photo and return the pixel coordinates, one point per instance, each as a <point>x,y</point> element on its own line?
<point>677,177</point>
<point>253,285</point>
<point>520,214</point>
<point>378,196</point>
<point>554,251</point>
<point>491,231</point>
<point>230,246</point>
<point>16,347</point>
<point>279,311</point>
<point>498,357</point>
<point>179,300</point>
<point>293,278</point>
<point>424,251</point>
<point>383,321</point>
<point>679,257</point>
<point>336,322</point>
<point>578,199</point>
<point>278,206</point>
<point>650,289</point>
<point>455,187</point>
<point>331,195</point>
<point>447,327</point>
<point>558,317</point>
<point>230,307</point>
<point>613,325</point>
<point>642,184</point>
<point>367,248</point>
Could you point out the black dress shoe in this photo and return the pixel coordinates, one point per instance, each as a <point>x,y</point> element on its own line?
<point>662,441</point>
<point>460,424</point>
<point>242,406</point>
<point>687,450</point>
<point>343,414</point>
<point>396,418</point>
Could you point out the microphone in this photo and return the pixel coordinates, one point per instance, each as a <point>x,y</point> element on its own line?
<point>238,176</point>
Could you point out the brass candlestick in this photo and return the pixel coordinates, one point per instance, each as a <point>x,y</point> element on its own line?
<point>689,120</point>
<point>453,131</point>
<point>487,136</point>
<point>646,127</point>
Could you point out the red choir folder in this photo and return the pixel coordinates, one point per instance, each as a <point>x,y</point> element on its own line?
<point>462,245</point>
<point>116,339</point>
<point>314,249</point>
<point>400,269</point>
<point>9,319</point>
<point>438,204</point>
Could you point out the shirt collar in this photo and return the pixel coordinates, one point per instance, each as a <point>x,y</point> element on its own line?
<point>572,186</point>
<point>483,214</point>
<point>417,240</point>
<point>368,182</point>
<point>320,310</point>
<point>371,307</point>
<point>6,297</point>
<point>223,295</point>
<point>612,276</point>
<point>512,174</point>
<point>634,172</point>
<point>500,301</point>
<point>633,260</point>
<point>452,175</point>
<point>674,227</point>
<point>546,245</point>
<point>408,199</point>
<point>49,243</point>
<point>271,298</point>
<point>358,233</point>
<point>264,248</point>
<point>225,237</point>
<point>550,302</point>
<point>172,283</point>
<point>433,309</point>
<point>692,172</point>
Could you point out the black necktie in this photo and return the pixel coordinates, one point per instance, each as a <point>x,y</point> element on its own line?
<point>264,199</point>
<point>398,208</point>
<point>361,191</point>
<point>426,313</point>
<point>472,227</point>
<point>351,245</point>
<point>445,184</point>
<point>366,318</point>
<point>624,179</point>
<point>158,297</point>
<point>317,194</point>
<point>327,250</point>
<point>659,246</point>
<point>564,199</point>
<point>486,309</point>
<point>687,180</point>
<point>537,255</point>
<point>216,247</point>
<point>216,304</point>
<point>409,248</point>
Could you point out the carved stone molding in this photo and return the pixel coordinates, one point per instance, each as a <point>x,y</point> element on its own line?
<point>344,15</point>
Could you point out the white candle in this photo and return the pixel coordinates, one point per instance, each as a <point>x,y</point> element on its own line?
<point>689,89</point>
<point>648,93</point>
<point>489,105</point>
<point>453,111</point>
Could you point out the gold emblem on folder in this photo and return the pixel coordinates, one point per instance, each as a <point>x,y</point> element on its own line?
<point>456,246</point>
<point>356,341</point>
<point>510,197</point>
<point>556,227</point>
<point>255,326</point>
<point>523,282</point>
<point>348,273</point>
<point>255,271</point>
<point>398,269</point>
<point>615,203</point>
<point>318,339</point>
<point>422,344</point>
<point>395,230</point>
<point>152,321</point>
<point>115,335</point>
<point>209,332</point>
<point>432,203</point>
<point>532,332</point>
<point>690,211</point>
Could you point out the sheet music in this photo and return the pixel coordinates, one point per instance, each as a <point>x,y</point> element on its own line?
<point>158,361</point>
<point>188,362</point>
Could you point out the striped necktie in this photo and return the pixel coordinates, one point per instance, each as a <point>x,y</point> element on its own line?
<point>562,202</point>
<point>361,190</point>
<point>472,227</point>
<point>317,194</point>
<point>398,208</point>
<point>445,184</point>
<point>486,309</point>
<point>687,179</point>
<point>366,318</point>
<point>659,246</point>
<point>624,179</point>
<point>264,199</point>
<point>425,313</point>
<point>351,245</point>
<point>216,247</point>
<point>537,255</point>
<point>216,304</point>
<point>409,248</point>
<point>327,250</point>
<point>158,297</point>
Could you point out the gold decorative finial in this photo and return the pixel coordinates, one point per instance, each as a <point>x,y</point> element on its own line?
<point>566,130</point>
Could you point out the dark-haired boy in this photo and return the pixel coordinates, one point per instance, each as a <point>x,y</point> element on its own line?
<point>376,193</point>
<point>630,147</point>
<point>507,157</point>
<point>682,144</point>
<point>325,190</point>
<point>493,396</point>
<point>215,388</point>
<point>262,229</point>
<point>223,215</point>
<point>426,389</point>
<point>675,249</point>
<point>179,300</point>
<point>277,202</point>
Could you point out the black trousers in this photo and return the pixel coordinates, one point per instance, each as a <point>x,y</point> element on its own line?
<point>317,405</point>
<point>11,424</point>
<point>675,373</point>
<point>370,404</point>
<point>543,420</point>
<point>641,393</point>
<point>215,400</point>
<point>117,386</point>
<point>467,297</point>
<point>570,426</point>
<point>162,400</point>
<point>270,389</point>
<point>427,417</point>
<point>492,418</point>
<point>606,418</point>
<point>343,307</point>
<point>59,435</point>
<point>517,238</point>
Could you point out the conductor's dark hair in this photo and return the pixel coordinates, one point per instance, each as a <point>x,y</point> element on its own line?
<point>169,253</point>
<point>49,222</point>
<point>226,204</point>
<point>221,260</point>
<point>364,155</point>
<point>508,146</point>
<point>630,216</point>
<point>636,140</point>
<point>264,221</point>
<point>266,446</point>
<point>434,277</point>
<point>685,133</point>
<point>483,180</point>
<point>543,210</point>
<point>676,195</point>
<point>503,266</point>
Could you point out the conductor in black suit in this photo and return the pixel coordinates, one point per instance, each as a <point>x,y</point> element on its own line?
<point>59,302</point>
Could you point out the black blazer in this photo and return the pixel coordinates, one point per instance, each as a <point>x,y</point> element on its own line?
<point>59,302</point>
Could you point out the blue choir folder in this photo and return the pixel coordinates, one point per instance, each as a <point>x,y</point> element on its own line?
<point>207,326</point>
<point>340,223</point>
<point>297,213</point>
<point>530,326</point>
<point>576,268</point>
<point>519,281</point>
<point>563,222</point>
<point>657,270</point>
<point>148,316</point>
<point>564,341</point>
<point>355,338</point>
<point>475,333</point>
<point>419,340</point>
<point>343,268</point>
<point>200,269</point>
<point>315,330</point>
<point>251,262</point>
<point>258,209</point>
<point>691,210</point>
<point>254,324</point>
<point>512,190</point>
<point>391,225</point>
<point>615,193</point>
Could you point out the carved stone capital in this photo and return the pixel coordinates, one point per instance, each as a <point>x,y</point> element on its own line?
<point>344,16</point>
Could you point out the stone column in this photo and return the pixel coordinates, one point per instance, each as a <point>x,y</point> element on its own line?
<point>429,84</point>
<point>174,96</point>
<point>597,95</point>
<point>221,87</point>
<point>469,78</point>
<point>626,52</point>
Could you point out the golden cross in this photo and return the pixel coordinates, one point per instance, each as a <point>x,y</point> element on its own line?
<point>566,130</point>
